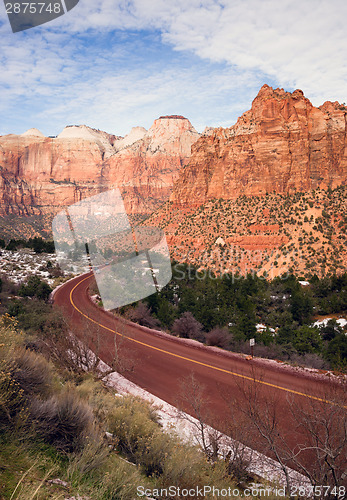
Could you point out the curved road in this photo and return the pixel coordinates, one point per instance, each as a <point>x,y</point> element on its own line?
<point>159,362</point>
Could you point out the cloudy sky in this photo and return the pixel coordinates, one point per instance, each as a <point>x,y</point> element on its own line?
<point>114,64</point>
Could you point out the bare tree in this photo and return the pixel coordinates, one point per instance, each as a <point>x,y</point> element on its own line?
<point>194,407</point>
<point>323,424</point>
<point>261,408</point>
<point>142,315</point>
<point>123,359</point>
<point>320,427</point>
<point>78,348</point>
<point>219,337</point>
<point>188,327</point>
<point>240,457</point>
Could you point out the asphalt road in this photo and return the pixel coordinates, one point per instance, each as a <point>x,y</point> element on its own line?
<point>160,363</point>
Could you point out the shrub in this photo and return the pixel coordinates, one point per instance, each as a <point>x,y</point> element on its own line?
<point>188,327</point>
<point>134,424</point>
<point>307,340</point>
<point>63,420</point>
<point>120,481</point>
<point>130,420</point>
<point>219,337</point>
<point>32,373</point>
<point>35,288</point>
<point>336,352</point>
<point>12,400</point>
<point>142,316</point>
<point>91,457</point>
<point>311,360</point>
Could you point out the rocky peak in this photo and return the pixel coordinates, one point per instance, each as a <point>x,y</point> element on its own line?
<point>282,144</point>
<point>267,92</point>
<point>331,107</point>
<point>135,134</point>
<point>277,104</point>
<point>34,132</point>
<point>208,131</point>
<point>39,174</point>
<point>174,133</point>
<point>102,139</point>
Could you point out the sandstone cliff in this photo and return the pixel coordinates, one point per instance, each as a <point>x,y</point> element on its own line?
<point>148,168</point>
<point>282,144</point>
<point>38,175</point>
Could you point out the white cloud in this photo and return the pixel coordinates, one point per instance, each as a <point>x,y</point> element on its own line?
<point>299,44</point>
<point>113,106</point>
<point>56,73</point>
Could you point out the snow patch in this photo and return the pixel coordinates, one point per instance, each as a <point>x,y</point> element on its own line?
<point>171,419</point>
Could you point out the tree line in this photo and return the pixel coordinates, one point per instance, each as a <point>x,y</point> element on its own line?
<point>224,311</point>
<point>38,244</point>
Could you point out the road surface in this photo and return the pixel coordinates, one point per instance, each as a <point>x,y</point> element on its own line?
<point>159,363</point>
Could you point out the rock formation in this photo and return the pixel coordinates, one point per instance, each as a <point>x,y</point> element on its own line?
<point>148,168</point>
<point>282,144</point>
<point>33,132</point>
<point>38,175</point>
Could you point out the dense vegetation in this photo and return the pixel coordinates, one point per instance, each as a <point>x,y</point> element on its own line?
<point>224,311</point>
<point>38,244</point>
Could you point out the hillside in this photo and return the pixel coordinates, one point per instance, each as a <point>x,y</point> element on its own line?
<point>267,194</point>
<point>304,233</point>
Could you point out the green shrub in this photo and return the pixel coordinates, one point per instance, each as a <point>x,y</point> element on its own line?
<point>133,423</point>
<point>12,400</point>
<point>35,288</point>
<point>93,456</point>
<point>12,397</point>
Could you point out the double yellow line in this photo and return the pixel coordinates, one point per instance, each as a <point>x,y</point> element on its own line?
<point>245,377</point>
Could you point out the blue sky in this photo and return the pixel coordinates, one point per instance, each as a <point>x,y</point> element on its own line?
<point>115,64</point>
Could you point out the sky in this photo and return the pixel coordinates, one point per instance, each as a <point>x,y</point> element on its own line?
<point>115,64</point>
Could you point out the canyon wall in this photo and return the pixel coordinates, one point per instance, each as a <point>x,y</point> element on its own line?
<point>39,175</point>
<point>282,144</point>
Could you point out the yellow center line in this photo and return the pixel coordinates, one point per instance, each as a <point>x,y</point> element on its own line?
<point>193,360</point>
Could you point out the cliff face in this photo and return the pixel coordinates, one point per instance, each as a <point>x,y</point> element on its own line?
<point>282,144</point>
<point>148,169</point>
<point>38,175</point>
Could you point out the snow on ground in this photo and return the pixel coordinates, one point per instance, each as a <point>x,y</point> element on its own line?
<point>171,419</point>
<point>260,327</point>
<point>20,264</point>
<point>323,322</point>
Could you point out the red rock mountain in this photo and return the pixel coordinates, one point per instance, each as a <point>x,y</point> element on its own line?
<point>282,144</point>
<point>148,169</point>
<point>38,175</point>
